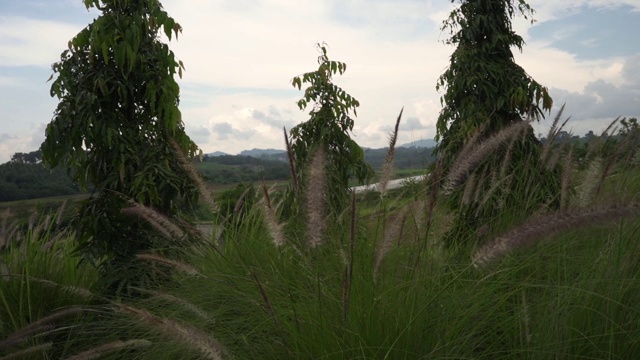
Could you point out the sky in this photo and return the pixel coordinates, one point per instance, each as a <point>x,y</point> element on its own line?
<point>240,57</point>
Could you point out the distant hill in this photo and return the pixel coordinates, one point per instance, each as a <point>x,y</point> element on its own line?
<point>230,169</point>
<point>277,154</point>
<point>405,157</point>
<point>427,143</point>
<point>217,153</point>
<point>22,180</point>
<point>257,153</point>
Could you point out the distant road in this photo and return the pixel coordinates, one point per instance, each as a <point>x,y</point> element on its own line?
<point>393,184</point>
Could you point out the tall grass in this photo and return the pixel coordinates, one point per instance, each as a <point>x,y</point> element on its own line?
<point>43,289</point>
<point>375,283</point>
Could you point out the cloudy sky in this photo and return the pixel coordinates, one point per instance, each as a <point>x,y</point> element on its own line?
<point>240,56</point>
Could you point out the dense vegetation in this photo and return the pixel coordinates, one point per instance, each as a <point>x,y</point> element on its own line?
<point>117,127</point>
<point>30,180</point>
<point>325,139</point>
<point>231,169</point>
<point>21,181</point>
<point>381,285</point>
<point>486,91</point>
<point>281,272</point>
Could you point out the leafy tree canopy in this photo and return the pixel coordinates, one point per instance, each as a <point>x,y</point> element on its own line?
<point>484,88</point>
<point>329,126</point>
<point>116,121</point>
<point>486,91</point>
<point>33,157</point>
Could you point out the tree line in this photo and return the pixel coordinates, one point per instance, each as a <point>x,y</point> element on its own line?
<point>26,177</point>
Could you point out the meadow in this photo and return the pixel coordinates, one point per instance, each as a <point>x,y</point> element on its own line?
<point>376,282</point>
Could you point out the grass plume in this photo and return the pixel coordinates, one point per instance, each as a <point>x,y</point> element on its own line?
<point>183,333</point>
<point>526,234</point>
<point>468,189</point>
<point>157,220</point>
<point>22,354</point>
<point>187,269</point>
<point>192,308</point>
<point>117,345</point>
<point>292,163</point>
<point>387,167</point>
<point>271,219</point>
<point>194,175</point>
<point>71,289</point>
<point>590,182</point>
<point>392,232</point>
<point>469,145</point>
<point>43,324</point>
<point>554,130</point>
<point>464,165</point>
<point>60,212</point>
<point>315,198</point>
<point>607,132</point>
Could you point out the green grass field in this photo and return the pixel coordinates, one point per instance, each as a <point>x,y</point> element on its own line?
<point>374,281</point>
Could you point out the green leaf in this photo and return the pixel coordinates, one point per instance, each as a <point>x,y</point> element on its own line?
<point>120,54</point>
<point>132,57</point>
<point>168,27</point>
<point>105,52</point>
<point>177,29</point>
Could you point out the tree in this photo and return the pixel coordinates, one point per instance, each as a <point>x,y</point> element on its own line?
<point>629,141</point>
<point>114,125</point>
<point>328,127</point>
<point>629,127</point>
<point>33,157</point>
<point>486,91</point>
<point>485,88</point>
<point>24,180</point>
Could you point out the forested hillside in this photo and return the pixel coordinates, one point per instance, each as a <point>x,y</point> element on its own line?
<point>25,177</point>
<point>230,169</point>
<point>405,158</point>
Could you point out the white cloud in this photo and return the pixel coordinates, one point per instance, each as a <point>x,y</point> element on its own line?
<point>241,55</point>
<point>240,121</point>
<point>552,67</point>
<point>25,41</point>
<point>264,49</point>
<point>553,9</point>
<point>599,102</point>
<point>9,81</point>
<point>11,143</point>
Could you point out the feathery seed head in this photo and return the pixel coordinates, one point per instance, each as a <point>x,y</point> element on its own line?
<point>182,332</point>
<point>387,168</point>
<point>315,198</point>
<point>547,225</point>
